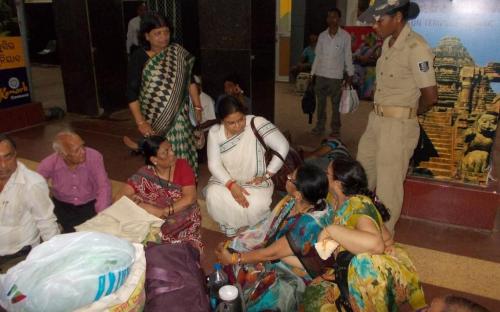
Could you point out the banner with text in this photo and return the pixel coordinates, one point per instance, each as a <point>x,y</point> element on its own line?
<point>14,86</point>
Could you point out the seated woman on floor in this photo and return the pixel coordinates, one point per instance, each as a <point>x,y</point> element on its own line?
<point>271,277</point>
<point>370,272</point>
<point>240,189</point>
<point>166,188</point>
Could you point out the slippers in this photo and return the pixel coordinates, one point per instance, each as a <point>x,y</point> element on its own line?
<point>132,145</point>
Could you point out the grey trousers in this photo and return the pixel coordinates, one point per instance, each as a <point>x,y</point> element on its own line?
<point>323,88</point>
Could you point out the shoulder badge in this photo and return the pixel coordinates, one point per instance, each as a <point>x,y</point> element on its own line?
<point>423,66</point>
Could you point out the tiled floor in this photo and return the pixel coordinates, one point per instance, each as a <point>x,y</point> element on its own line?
<point>449,259</point>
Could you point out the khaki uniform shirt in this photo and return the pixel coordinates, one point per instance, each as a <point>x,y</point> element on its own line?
<point>404,69</point>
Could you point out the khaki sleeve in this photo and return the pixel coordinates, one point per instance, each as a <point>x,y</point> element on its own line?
<point>422,65</point>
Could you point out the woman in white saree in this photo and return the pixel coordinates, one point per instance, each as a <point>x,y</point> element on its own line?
<point>240,189</point>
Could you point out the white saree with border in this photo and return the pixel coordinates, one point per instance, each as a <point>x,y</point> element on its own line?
<point>242,158</point>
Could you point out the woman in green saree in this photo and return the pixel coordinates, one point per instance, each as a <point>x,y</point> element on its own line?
<point>160,86</point>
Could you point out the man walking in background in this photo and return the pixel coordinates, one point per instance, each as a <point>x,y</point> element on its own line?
<point>333,57</point>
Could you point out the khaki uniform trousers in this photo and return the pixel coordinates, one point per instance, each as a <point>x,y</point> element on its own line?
<point>384,150</point>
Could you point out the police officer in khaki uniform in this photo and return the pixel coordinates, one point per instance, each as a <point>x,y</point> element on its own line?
<point>405,87</point>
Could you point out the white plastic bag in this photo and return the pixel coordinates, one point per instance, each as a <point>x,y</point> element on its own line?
<point>349,100</point>
<point>67,272</point>
<point>131,296</point>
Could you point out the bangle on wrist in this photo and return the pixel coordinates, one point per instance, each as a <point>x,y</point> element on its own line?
<point>234,258</point>
<point>198,108</point>
<point>239,258</point>
<point>230,184</point>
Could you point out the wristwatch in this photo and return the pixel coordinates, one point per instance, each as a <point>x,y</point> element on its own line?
<point>267,176</point>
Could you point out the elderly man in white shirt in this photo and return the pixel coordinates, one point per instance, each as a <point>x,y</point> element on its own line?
<point>26,211</point>
<point>333,57</point>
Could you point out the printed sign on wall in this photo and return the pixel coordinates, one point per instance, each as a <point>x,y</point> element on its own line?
<point>14,87</point>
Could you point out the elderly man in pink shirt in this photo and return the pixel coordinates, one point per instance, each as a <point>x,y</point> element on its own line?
<point>80,185</point>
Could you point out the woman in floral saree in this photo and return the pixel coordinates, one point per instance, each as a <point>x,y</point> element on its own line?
<point>262,262</point>
<point>159,86</point>
<point>379,274</point>
<point>166,188</point>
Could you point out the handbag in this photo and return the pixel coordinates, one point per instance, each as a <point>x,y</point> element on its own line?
<point>174,279</point>
<point>341,267</point>
<point>349,100</point>
<point>309,102</point>
<point>290,163</point>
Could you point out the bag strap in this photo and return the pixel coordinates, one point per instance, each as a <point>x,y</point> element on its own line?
<point>261,141</point>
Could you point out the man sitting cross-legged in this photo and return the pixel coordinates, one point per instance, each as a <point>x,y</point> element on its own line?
<point>80,186</point>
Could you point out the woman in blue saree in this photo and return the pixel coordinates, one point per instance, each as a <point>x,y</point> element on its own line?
<point>264,264</point>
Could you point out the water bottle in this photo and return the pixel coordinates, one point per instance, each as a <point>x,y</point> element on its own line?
<point>216,280</point>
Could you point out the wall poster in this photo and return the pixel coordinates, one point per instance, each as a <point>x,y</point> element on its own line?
<point>460,130</point>
<point>14,86</point>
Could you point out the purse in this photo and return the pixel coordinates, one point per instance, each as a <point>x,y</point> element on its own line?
<point>290,163</point>
<point>174,279</point>
<point>309,102</point>
<point>341,267</point>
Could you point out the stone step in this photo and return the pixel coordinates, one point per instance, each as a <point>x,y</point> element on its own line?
<point>437,115</point>
<point>440,121</point>
<point>433,165</point>
<point>444,154</point>
<point>441,172</point>
<point>436,127</point>
<point>442,145</point>
<point>437,135</point>
<point>430,124</point>
<point>441,140</point>
<point>442,150</point>
<point>443,160</point>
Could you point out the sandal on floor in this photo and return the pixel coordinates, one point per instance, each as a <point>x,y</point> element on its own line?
<point>132,145</point>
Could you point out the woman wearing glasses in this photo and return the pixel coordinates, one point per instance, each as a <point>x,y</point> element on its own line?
<point>265,257</point>
<point>370,272</point>
<point>166,188</point>
<point>364,270</point>
<point>240,189</point>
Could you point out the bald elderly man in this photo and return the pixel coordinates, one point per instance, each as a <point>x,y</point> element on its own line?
<point>80,185</point>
